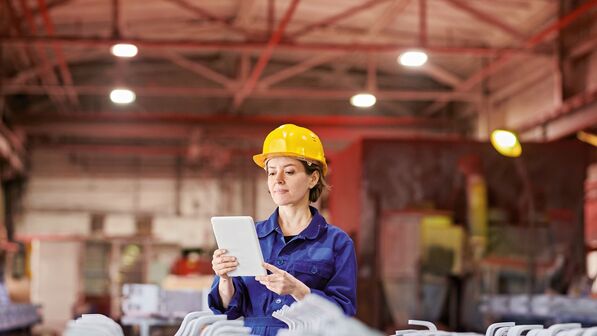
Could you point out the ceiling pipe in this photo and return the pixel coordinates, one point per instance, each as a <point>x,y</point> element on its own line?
<point>101,42</point>
<point>270,93</point>
<point>222,119</point>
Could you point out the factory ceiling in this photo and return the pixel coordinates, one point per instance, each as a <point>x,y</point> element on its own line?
<point>213,76</point>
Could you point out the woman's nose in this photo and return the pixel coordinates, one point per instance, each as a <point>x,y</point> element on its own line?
<point>279,177</point>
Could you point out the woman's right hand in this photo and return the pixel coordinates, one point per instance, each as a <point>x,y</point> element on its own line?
<point>222,264</point>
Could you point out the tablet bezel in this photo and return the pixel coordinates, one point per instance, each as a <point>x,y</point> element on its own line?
<point>238,235</point>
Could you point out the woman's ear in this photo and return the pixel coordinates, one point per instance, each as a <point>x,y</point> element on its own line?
<point>314,179</point>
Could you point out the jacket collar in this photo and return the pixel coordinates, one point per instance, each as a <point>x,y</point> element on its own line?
<point>312,231</point>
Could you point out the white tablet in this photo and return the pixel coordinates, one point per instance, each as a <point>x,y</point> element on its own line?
<point>237,235</point>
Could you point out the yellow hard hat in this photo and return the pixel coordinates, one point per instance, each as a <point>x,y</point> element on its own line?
<point>295,141</point>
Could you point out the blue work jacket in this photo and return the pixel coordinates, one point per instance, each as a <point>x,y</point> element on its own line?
<point>322,256</point>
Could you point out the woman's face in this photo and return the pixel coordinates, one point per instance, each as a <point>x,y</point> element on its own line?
<point>287,181</point>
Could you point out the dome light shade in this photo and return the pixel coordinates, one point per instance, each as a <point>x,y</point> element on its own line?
<point>124,50</point>
<point>122,96</point>
<point>506,143</point>
<point>363,100</point>
<point>413,58</point>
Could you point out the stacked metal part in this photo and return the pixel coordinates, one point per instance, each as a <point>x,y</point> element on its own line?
<point>316,316</point>
<point>93,325</point>
<point>505,329</point>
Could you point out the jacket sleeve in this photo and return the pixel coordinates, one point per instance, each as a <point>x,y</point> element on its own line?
<point>342,286</point>
<point>235,308</point>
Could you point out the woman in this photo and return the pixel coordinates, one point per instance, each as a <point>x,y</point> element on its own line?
<point>303,253</point>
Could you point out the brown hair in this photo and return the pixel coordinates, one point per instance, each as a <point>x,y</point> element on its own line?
<point>316,191</point>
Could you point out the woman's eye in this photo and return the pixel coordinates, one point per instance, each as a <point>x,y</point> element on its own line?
<point>271,173</point>
<point>290,172</point>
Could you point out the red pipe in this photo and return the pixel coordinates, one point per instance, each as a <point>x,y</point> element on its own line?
<point>265,56</point>
<point>281,93</point>
<point>221,119</point>
<point>253,46</point>
<point>334,18</point>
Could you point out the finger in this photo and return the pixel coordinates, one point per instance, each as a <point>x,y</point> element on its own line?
<point>225,271</point>
<point>273,288</point>
<point>227,264</point>
<point>273,278</point>
<point>221,260</point>
<point>272,268</point>
<point>219,252</point>
<point>261,278</point>
<point>266,285</point>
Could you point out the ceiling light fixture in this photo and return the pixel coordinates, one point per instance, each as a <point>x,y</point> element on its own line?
<point>122,96</point>
<point>413,58</point>
<point>126,50</point>
<point>363,100</point>
<point>506,143</point>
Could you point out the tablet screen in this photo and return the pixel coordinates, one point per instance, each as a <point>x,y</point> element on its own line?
<point>238,236</point>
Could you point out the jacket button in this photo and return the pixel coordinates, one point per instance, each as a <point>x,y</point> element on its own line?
<point>313,270</point>
<point>278,300</point>
<point>280,262</point>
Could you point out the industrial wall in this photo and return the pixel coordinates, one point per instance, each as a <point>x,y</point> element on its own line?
<point>61,198</point>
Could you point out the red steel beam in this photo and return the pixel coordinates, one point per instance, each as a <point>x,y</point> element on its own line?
<point>49,75</point>
<point>505,57</point>
<point>209,16</point>
<point>221,119</point>
<point>164,125</point>
<point>51,4</point>
<point>99,42</point>
<point>265,56</point>
<point>486,18</point>
<point>64,71</point>
<point>273,93</point>
<point>115,149</point>
<point>334,18</point>
<point>296,69</point>
<point>181,132</point>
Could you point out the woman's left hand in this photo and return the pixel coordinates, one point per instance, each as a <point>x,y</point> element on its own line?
<point>283,283</point>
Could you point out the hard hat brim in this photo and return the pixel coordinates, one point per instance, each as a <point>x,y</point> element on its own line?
<point>260,160</point>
